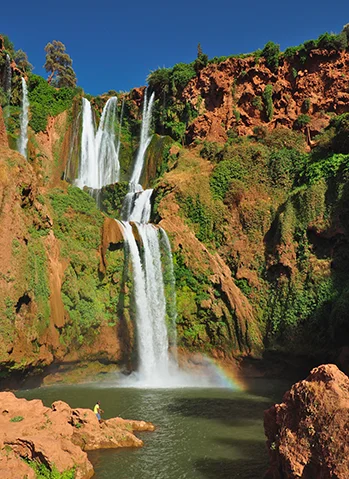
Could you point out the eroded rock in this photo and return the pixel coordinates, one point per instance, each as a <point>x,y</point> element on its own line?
<point>57,436</point>
<point>308,433</point>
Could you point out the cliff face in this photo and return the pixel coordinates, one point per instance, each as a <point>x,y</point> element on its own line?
<point>229,96</point>
<point>49,237</point>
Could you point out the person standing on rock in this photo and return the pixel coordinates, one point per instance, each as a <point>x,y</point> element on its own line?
<point>98,411</point>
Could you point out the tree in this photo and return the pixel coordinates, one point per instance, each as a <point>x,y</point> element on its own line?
<point>21,59</point>
<point>201,60</point>
<point>59,65</point>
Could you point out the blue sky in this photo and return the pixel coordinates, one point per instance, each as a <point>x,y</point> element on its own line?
<point>114,45</point>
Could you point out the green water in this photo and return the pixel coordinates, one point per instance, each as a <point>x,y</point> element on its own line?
<point>201,433</point>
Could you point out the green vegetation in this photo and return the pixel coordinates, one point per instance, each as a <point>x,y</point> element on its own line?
<point>77,224</point>
<point>113,197</point>
<point>222,176</point>
<point>271,53</point>
<point>302,120</point>
<point>326,41</point>
<point>16,419</point>
<point>45,100</point>
<point>268,102</point>
<point>43,472</point>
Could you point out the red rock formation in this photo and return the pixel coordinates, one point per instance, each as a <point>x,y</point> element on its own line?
<point>57,436</point>
<point>308,433</point>
<point>228,95</point>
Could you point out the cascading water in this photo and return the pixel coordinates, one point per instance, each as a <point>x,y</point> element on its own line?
<point>150,302</point>
<point>106,151</point>
<point>135,189</point>
<point>99,165</point>
<point>120,126</point>
<point>23,139</point>
<point>144,140</point>
<point>141,208</point>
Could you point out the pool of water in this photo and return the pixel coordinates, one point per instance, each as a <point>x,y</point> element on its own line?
<point>200,433</point>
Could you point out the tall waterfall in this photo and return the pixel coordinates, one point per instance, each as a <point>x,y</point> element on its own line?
<point>23,139</point>
<point>144,140</point>
<point>99,165</point>
<point>149,294</point>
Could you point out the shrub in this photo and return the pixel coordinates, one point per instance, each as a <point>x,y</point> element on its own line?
<point>235,193</point>
<point>210,150</point>
<point>17,419</point>
<point>330,41</point>
<point>181,74</point>
<point>222,176</point>
<point>302,120</point>
<point>159,79</point>
<point>268,101</point>
<point>271,53</point>
<point>306,105</point>
<point>285,166</point>
<point>257,103</point>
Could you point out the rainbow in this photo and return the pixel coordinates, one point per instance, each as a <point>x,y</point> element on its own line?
<point>229,377</point>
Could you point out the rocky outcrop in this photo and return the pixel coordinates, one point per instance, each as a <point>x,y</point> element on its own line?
<point>308,434</point>
<point>229,95</point>
<point>57,437</point>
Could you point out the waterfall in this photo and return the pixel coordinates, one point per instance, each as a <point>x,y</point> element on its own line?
<point>106,152</point>
<point>88,168</point>
<point>23,139</point>
<point>99,164</point>
<point>171,290</point>
<point>120,126</point>
<point>144,140</point>
<point>150,303</point>
<point>145,341</point>
<point>141,206</point>
<point>135,189</point>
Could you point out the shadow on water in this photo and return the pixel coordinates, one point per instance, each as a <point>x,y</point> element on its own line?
<point>229,411</point>
<point>246,468</point>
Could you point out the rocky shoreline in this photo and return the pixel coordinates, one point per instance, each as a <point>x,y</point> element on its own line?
<point>57,437</point>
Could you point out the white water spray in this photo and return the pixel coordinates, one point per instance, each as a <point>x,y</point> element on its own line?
<point>23,138</point>
<point>142,207</point>
<point>99,165</point>
<point>134,196</point>
<point>145,138</point>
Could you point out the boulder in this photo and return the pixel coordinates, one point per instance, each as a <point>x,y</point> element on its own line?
<point>308,433</point>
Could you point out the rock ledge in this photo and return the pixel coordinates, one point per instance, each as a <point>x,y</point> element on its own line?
<point>58,436</point>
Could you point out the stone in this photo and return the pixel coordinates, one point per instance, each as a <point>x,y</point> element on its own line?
<point>308,433</point>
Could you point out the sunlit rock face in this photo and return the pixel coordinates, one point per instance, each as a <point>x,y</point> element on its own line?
<point>307,434</point>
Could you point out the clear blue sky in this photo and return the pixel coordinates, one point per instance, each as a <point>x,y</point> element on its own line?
<point>114,45</point>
